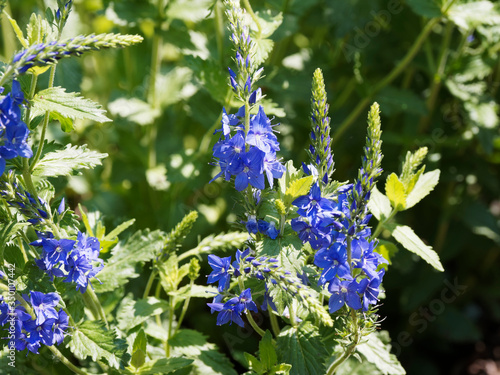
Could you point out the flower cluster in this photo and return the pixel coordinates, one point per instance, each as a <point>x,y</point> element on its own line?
<point>255,226</point>
<point>78,261</point>
<point>42,325</point>
<point>337,228</point>
<point>247,155</point>
<point>35,210</point>
<point>13,131</point>
<point>261,268</point>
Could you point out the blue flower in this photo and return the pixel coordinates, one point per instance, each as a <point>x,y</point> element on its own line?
<point>343,292</point>
<point>261,133</point>
<point>251,171</point>
<point>44,306</point>
<point>220,271</point>
<point>231,311</point>
<point>371,289</point>
<point>313,204</point>
<point>60,326</point>
<point>333,260</point>
<point>55,251</point>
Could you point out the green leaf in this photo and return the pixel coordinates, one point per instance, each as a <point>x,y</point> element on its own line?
<point>267,352</point>
<point>406,237</point>
<point>139,349</point>
<point>379,205</point>
<point>263,48</point>
<point>469,15</point>
<point>282,369</point>
<point>297,188</point>
<point>164,366</point>
<point>170,273</point>
<point>17,31</point>
<point>67,124</point>
<point>196,291</point>
<point>395,100</point>
<point>133,312</point>
<point>143,246</point>
<point>254,364</point>
<point>268,23</point>
<point>395,191</point>
<point>67,104</point>
<point>483,114</point>
<point>189,10</point>
<point>378,353</point>
<point>91,339</point>
<point>207,359</point>
<point>64,162</point>
<point>302,348</point>
<point>426,8</point>
<point>386,249</point>
<point>425,184</point>
<point>8,232</point>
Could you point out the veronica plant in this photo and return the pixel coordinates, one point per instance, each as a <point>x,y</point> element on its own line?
<point>311,262</point>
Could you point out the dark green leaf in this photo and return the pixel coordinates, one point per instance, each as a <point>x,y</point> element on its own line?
<point>132,313</point>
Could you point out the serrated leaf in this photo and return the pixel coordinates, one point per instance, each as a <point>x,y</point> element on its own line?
<point>195,291</point>
<point>164,366</point>
<point>207,359</point>
<point>302,348</point>
<point>67,104</point>
<point>406,237</point>
<point>64,162</point>
<point>379,205</point>
<point>469,15</point>
<point>378,353</point>
<point>263,48</point>
<point>268,23</point>
<point>281,369</point>
<point>133,312</point>
<point>91,339</point>
<point>267,352</point>
<point>297,188</point>
<point>395,191</point>
<point>139,349</point>
<point>143,246</point>
<point>426,8</point>
<point>424,185</point>
<point>112,236</point>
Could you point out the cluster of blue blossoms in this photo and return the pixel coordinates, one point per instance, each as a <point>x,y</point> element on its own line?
<point>248,156</point>
<point>47,326</point>
<point>78,261</point>
<point>13,131</point>
<point>345,252</point>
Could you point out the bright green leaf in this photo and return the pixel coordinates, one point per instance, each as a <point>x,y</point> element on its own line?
<point>64,162</point>
<point>469,15</point>
<point>378,353</point>
<point>297,188</point>
<point>164,366</point>
<point>395,191</point>
<point>67,104</point>
<point>254,364</point>
<point>91,339</point>
<point>134,110</point>
<point>406,237</point>
<point>302,348</point>
<point>133,312</point>
<point>143,246</point>
<point>424,185</point>
<point>379,205</point>
<point>17,31</point>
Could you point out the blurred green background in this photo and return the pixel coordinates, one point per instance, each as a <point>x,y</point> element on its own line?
<point>433,67</point>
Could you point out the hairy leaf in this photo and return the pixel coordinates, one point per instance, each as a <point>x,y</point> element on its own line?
<point>425,184</point>
<point>379,354</point>
<point>302,348</point>
<point>141,247</point>
<point>379,204</point>
<point>67,104</point>
<point>92,339</point>
<point>406,237</point>
<point>67,160</point>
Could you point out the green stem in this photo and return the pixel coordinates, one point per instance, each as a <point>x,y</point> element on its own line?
<point>98,305</point>
<point>254,325</point>
<point>27,179</point>
<point>387,79</point>
<point>151,279</point>
<point>219,30</point>
<point>350,349</point>
<point>274,322</point>
<point>44,125</point>
<point>381,223</point>
<point>249,9</point>
<point>184,308</point>
<point>66,361</point>
<point>171,316</point>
